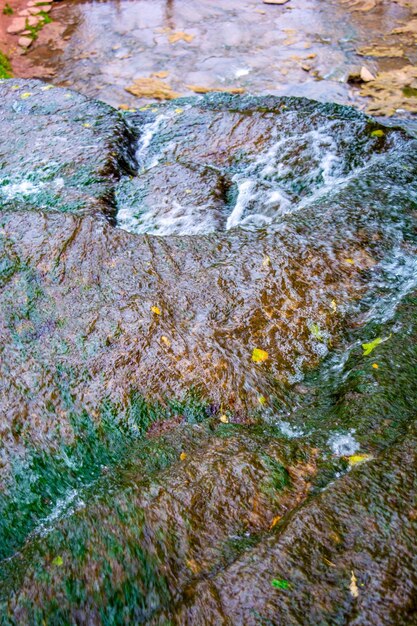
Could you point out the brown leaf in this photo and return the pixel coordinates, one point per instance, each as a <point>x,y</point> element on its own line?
<point>151,88</point>
<point>201,89</point>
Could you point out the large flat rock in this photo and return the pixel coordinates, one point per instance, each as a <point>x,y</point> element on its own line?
<point>147,471</point>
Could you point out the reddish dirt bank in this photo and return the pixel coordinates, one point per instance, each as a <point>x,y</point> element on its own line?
<point>49,36</point>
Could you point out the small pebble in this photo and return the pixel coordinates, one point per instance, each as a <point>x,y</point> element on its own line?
<point>25,42</point>
<point>17,25</point>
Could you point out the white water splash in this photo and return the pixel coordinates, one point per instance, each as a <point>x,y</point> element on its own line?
<point>294,171</point>
<point>343,444</point>
<point>27,188</point>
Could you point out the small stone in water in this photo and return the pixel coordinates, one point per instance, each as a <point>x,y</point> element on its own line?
<point>366,75</point>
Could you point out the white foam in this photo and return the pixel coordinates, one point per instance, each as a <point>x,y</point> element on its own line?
<point>242,71</point>
<point>343,444</point>
<point>26,188</point>
<point>289,430</point>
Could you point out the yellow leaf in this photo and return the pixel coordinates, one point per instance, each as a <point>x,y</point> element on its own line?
<point>58,560</point>
<point>259,356</point>
<point>192,565</point>
<point>161,74</point>
<point>375,366</point>
<point>188,191</point>
<point>350,261</point>
<point>355,459</point>
<point>275,521</point>
<point>26,95</point>
<point>151,87</point>
<point>180,36</point>
<point>47,87</point>
<point>262,400</point>
<point>266,261</point>
<point>156,310</point>
<point>87,125</point>
<point>166,341</point>
<point>224,419</point>
<point>368,347</point>
<point>178,111</point>
<point>334,306</point>
<point>354,591</point>
<point>203,89</point>
<point>183,456</point>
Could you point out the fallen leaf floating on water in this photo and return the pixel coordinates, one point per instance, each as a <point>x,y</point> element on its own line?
<point>280,583</point>
<point>156,310</point>
<point>162,74</point>
<point>262,400</point>
<point>353,587</point>
<point>392,90</point>
<point>180,36</point>
<point>152,88</point>
<point>259,356</point>
<point>166,341</point>
<point>410,27</point>
<point>202,89</point>
<point>26,95</point>
<point>266,261</point>
<point>275,521</point>
<point>192,565</point>
<point>315,331</point>
<point>361,5</point>
<point>380,51</point>
<point>368,347</point>
<point>356,459</point>
<point>377,133</point>
<point>333,305</point>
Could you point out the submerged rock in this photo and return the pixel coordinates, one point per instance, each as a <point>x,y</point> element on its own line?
<point>144,259</point>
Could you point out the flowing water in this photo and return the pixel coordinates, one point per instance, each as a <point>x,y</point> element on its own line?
<point>207,317</point>
<point>305,48</point>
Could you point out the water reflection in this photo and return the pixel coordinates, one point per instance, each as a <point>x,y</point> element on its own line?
<point>303,48</point>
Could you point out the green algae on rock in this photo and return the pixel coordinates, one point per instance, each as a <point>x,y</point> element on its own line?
<point>70,154</point>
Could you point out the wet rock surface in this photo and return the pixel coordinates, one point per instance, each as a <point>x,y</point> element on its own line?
<point>60,152</point>
<point>151,469</point>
